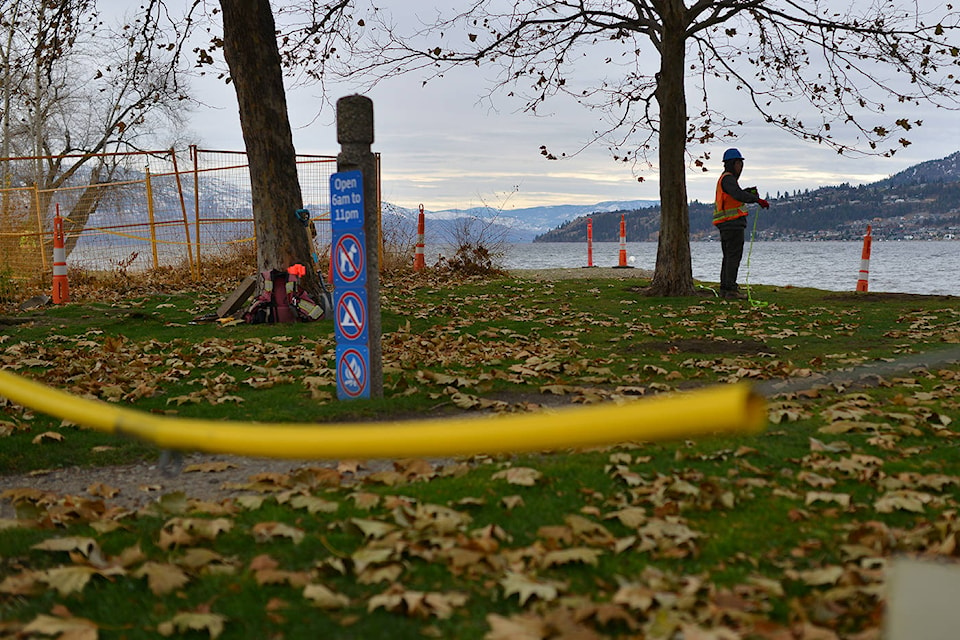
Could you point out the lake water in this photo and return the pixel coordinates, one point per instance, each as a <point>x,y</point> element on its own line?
<point>928,267</point>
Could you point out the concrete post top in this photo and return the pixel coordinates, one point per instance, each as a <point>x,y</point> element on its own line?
<point>355,120</point>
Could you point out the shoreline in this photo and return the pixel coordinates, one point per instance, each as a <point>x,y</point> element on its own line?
<point>580,273</point>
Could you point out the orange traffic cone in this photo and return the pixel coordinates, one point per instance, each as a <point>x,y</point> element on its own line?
<point>61,286</point>
<point>623,241</point>
<point>589,242</point>
<point>863,282</point>
<point>418,261</point>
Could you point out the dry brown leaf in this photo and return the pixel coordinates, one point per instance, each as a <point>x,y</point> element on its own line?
<point>324,476</point>
<point>296,579</point>
<point>511,502</point>
<point>372,529</point>
<point>350,466</point>
<point>832,447</point>
<point>47,436</point>
<point>267,531</point>
<point>263,562</point>
<point>526,587</point>
<point>101,490</point>
<point>197,558</point>
<point>313,504</point>
<point>27,583</point>
<point>386,573</point>
<point>8,428</point>
<point>365,500</point>
<point>904,500</point>
<point>162,578</point>
<point>842,499</point>
<point>417,604</point>
<point>816,480</point>
<point>184,531</point>
<point>64,628</point>
<point>817,577</point>
<point>387,478</point>
<point>522,476</point>
<point>523,627</point>
<point>68,580</point>
<point>366,557</point>
<point>212,623</point>
<point>588,531</point>
<point>631,517</point>
<point>414,468</point>
<point>325,598</point>
<point>573,555</point>
<point>87,546</point>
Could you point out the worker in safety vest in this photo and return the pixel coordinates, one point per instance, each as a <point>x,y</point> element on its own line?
<point>730,218</point>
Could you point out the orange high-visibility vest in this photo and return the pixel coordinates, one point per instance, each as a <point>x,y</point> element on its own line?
<point>726,207</point>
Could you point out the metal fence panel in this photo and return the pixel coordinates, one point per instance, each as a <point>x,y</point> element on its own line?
<point>155,213</point>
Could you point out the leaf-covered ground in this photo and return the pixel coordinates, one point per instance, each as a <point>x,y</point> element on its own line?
<point>787,534</point>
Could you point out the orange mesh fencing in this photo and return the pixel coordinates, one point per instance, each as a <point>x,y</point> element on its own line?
<point>156,214</point>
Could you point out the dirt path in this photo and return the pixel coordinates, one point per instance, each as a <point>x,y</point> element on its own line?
<point>208,477</point>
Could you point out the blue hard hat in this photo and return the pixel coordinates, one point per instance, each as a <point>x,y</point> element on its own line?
<point>732,154</point>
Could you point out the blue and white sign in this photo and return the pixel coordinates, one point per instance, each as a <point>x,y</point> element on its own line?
<point>346,201</point>
<point>353,372</point>
<point>350,316</point>
<point>349,258</point>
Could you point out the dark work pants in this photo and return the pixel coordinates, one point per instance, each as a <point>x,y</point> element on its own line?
<point>731,241</point>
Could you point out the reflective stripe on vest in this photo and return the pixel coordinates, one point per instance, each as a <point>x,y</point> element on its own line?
<point>726,207</point>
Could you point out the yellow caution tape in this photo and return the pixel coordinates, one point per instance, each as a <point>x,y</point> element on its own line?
<point>721,409</point>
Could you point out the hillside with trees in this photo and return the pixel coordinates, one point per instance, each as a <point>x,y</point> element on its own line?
<point>921,202</point>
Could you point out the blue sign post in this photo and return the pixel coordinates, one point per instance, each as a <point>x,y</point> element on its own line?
<point>349,256</point>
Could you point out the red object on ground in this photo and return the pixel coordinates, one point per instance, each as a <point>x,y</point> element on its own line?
<point>418,262</point>
<point>589,242</point>
<point>61,286</point>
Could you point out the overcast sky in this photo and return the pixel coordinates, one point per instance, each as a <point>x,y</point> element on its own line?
<point>441,147</point>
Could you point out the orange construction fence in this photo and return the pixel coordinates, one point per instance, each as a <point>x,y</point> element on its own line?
<point>155,208</point>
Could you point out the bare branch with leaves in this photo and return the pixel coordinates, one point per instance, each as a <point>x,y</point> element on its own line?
<point>846,75</point>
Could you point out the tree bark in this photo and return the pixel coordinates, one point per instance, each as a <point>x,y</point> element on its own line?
<point>250,49</point>
<point>673,273</point>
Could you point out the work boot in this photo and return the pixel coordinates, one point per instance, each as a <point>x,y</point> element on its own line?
<point>732,294</point>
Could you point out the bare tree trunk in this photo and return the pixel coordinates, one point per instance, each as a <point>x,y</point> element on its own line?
<point>250,49</point>
<point>673,274</point>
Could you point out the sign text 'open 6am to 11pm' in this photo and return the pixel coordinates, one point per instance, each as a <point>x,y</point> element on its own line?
<point>349,258</point>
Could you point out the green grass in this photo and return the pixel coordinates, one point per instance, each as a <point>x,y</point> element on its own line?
<point>636,540</point>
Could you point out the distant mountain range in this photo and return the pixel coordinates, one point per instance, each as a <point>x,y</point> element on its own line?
<point>920,202</point>
<point>514,225</point>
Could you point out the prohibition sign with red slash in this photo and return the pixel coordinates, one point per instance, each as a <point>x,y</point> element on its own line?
<point>352,373</point>
<point>348,259</point>
<point>351,316</point>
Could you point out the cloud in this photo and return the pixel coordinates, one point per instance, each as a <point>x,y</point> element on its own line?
<point>445,146</point>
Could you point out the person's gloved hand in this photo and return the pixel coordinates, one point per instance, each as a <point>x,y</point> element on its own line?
<point>763,203</point>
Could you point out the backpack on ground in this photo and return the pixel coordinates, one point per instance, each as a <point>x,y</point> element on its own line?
<point>282,299</point>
